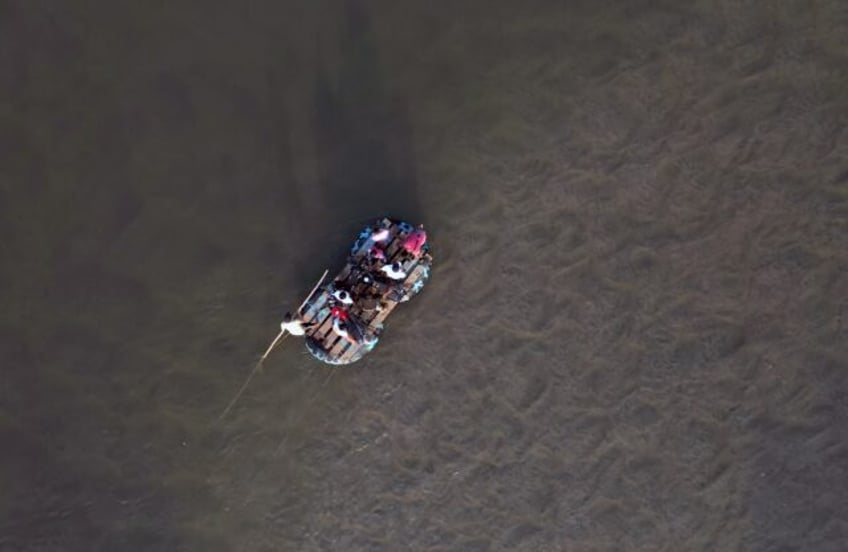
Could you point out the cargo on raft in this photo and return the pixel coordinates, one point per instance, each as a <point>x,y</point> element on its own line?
<point>388,264</point>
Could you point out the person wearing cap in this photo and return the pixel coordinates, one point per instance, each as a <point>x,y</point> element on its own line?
<point>295,326</point>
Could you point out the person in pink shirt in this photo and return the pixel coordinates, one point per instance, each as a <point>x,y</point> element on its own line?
<point>413,243</point>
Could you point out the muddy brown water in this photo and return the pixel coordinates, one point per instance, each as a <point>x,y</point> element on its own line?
<point>635,333</point>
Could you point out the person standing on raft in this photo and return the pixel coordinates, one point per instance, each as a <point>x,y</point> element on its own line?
<point>295,326</point>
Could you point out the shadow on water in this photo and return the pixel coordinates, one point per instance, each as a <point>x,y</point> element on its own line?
<point>133,197</point>
<point>363,146</point>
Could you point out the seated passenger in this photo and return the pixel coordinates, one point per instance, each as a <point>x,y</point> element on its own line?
<point>415,241</point>
<point>376,242</point>
<point>343,297</point>
<point>340,327</point>
<point>339,313</point>
<point>380,235</point>
<point>348,326</point>
<point>376,254</point>
<point>394,271</point>
<point>369,304</point>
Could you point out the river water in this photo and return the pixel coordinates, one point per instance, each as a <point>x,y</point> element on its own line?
<point>635,333</point>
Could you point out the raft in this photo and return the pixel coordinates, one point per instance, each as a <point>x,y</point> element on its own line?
<point>375,296</point>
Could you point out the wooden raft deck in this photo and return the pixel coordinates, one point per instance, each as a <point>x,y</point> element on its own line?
<point>321,340</point>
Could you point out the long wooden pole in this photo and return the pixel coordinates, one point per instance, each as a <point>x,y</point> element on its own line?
<point>308,297</point>
<point>280,336</point>
<point>274,343</point>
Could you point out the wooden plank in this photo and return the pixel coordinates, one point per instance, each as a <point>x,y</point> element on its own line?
<point>332,339</point>
<point>416,274</point>
<point>348,355</point>
<point>317,313</point>
<point>325,324</point>
<point>315,308</point>
<point>387,309</point>
<point>338,348</point>
<point>325,330</point>
<point>320,313</point>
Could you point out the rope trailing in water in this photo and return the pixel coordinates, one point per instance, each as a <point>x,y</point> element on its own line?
<point>282,335</point>
<point>250,377</point>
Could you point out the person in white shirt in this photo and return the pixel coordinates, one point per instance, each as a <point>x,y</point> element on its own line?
<point>394,271</point>
<point>380,235</point>
<point>343,297</point>
<point>376,244</point>
<point>295,326</point>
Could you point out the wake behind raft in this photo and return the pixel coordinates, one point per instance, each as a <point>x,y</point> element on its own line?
<point>343,320</point>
